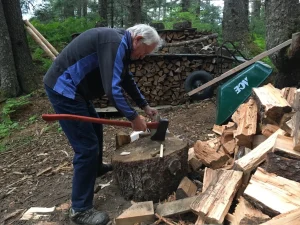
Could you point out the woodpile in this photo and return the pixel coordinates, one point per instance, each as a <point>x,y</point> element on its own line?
<point>173,37</point>
<point>251,169</point>
<point>161,77</point>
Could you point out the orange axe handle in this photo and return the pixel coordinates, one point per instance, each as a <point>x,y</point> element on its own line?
<point>121,123</point>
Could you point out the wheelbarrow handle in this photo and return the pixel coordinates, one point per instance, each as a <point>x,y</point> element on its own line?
<point>121,123</point>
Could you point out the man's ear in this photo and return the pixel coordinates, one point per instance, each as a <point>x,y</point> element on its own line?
<point>138,38</point>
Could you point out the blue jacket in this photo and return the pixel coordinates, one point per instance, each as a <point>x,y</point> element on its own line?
<point>97,63</point>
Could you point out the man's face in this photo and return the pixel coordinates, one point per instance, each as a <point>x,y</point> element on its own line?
<point>140,50</point>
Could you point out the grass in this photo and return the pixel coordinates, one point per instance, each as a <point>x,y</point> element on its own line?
<point>7,125</point>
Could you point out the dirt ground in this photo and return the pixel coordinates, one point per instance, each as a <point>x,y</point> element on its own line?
<point>36,168</point>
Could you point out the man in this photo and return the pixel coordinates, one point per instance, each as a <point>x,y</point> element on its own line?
<point>93,64</point>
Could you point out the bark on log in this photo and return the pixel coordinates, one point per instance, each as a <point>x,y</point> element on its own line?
<point>284,167</point>
<point>245,213</point>
<point>265,191</point>
<point>142,177</point>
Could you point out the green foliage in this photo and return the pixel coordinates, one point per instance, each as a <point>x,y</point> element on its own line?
<point>11,105</point>
<point>260,42</point>
<point>209,18</point>
<point>32,119</point>
<point>258,27</point>
<point>58,33</point>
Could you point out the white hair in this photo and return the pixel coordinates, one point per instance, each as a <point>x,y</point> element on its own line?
<point>149,34</point>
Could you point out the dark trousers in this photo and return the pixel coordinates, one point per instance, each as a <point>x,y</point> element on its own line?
<point>87,142</point>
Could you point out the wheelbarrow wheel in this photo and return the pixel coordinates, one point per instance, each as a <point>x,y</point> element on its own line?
<point>196,79</point>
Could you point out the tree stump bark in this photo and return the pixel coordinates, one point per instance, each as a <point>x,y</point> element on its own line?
<point>144,176</point>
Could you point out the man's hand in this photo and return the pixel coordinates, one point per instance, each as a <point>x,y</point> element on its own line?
<point>139,124</point>
<point>151,112</point>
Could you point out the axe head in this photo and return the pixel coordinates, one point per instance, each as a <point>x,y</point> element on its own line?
<point>160,133</point>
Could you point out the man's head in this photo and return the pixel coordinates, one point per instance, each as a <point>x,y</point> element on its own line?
<point>145,40</point>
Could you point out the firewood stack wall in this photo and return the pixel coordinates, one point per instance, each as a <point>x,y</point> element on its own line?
<point>174,36</point>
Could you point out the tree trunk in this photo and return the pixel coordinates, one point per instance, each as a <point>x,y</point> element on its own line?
<point>164,9</point>
<point>26,73</point>
<point>103,11</point>
<point>68,10</point>
<point>84,7</point>
<point>79,8</point>
<point>282,20</point>
<point>256,5</point>
<point>135,12</point>
<point>145,175</point>
<point>185,4</point>
<point>159,9</point>
<point>235,21</point>
<point>9,86</point>
<point>112,13</point>
<point>197,11</point>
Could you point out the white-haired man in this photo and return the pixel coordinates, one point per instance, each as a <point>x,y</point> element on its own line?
<point>93,64</point>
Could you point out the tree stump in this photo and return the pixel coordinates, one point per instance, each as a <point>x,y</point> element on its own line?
<point>143,175</point>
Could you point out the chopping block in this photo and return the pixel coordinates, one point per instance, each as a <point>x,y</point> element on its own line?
<point>144,176</point>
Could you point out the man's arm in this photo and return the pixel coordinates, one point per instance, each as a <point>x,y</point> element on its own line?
<point>110,56</point>
<point>133,91</point>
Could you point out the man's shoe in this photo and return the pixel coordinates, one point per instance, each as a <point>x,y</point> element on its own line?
<point>89,217</point>
<point>104,168</point>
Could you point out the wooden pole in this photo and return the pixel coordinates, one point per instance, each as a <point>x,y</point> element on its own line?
<point>44,40</point>
<point>240,67</point>
<point>40,43</point>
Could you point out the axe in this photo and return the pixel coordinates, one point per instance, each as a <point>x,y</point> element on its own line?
<point>160,126</point>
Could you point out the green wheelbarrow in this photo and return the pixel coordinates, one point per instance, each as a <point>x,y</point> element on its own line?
<point>235,91</point>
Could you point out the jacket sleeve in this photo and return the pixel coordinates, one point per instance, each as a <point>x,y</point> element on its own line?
<point>133,91</point>
<point>110,57</point>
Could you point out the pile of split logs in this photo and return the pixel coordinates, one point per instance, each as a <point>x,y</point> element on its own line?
<point>193,41</point>
<point>251,168</point>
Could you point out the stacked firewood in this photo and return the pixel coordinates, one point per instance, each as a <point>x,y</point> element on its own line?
<point>161,78</point>
<point>177,36</point>
<point>254,159</point>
